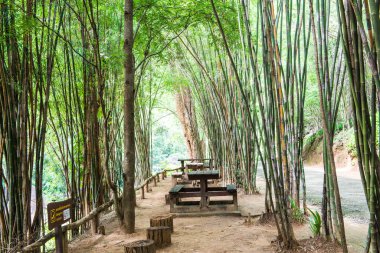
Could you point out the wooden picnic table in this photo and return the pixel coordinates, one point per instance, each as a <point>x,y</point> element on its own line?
<point>203,176</point>
<point>194,160</point>
<point>195,166</point>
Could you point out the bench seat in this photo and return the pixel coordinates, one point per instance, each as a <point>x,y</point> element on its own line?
<point>176,189</point>
<point>231,188</point>
<point>179,192</point>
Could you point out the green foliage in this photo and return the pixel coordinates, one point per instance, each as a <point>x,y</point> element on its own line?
<point>54,185</point>
<point>168,143</point>
<point>339,127</point>
<point>310,140</point>
<point>351,144</point>
<point>297,213</point>
<point>315,223</point>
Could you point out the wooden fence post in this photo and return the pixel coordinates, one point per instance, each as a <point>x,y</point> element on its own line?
<point>59,239</point>
<point>65,242</point>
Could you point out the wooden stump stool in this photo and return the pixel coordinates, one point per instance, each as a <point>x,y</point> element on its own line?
<point>142,246</point>
<point>162,220</point>
<point>160,235</point>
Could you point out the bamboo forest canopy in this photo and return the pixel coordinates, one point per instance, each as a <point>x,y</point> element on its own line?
<point>249,83</point>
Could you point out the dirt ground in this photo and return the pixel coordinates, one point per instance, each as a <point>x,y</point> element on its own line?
<point>197,234</point>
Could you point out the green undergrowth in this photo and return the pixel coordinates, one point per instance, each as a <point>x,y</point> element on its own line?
<point>342,136</point>
<point>297,213</point>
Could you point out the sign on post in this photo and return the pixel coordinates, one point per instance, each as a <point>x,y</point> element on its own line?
<point>59,213</point>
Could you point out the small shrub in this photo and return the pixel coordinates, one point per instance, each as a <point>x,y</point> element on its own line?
<point>297,213</point>
<point>315,223</point>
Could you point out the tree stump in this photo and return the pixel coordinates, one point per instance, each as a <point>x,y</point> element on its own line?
<point>162,220</point>
<point>142,246</point>
<point>160,235</point>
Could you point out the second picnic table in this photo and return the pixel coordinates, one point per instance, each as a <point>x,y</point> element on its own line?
<point>195,166</point>
<point>203,176</point>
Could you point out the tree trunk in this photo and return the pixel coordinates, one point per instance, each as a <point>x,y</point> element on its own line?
<point>187,116</point>
<point>129,197</point>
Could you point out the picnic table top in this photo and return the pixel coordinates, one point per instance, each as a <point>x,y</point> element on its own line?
<point>205,174</point>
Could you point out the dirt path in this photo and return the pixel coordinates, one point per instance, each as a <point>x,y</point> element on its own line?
<point>191,234</point>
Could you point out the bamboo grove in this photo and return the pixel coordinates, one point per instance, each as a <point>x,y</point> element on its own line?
<point>80,81</point>
<point>62,106</point>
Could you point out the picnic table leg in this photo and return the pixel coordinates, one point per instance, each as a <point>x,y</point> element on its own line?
<point>235,201</point>
<point>203,193</point>
<point>174,181</point>
<point>173,201</point>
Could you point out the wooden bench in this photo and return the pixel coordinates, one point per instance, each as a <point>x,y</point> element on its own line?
<point>175,176</point>
<point>231,188</point>
<point>179,192</point>
<point>174,195</point>
<point>176,189</point>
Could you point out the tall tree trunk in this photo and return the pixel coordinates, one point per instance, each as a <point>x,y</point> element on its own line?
<point>187,116</point>
<point>129,197</point>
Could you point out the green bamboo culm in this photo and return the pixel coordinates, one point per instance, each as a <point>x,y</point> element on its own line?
<point>359,23</point>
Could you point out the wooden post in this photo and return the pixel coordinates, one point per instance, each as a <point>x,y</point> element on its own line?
<point>158,178</point>
<point>174,181</point>
<point>235,200</point>
<point>183,166</point>
<point>155,181</point>
<point>142,193</point>
<point>141,246</point>
<point>59,239</point>
<point>101,230</point>
<point>160,235</point>
<point>162,220</point>
<point>203,184</point>
<point>65,242</point>
<point>163,175</point>
<point>147,186</point>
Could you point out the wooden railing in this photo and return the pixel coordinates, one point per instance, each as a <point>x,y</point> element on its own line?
<point>40,242</point>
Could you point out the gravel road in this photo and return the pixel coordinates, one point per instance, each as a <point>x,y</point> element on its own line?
<point>351,190</point>
<point>354,204</point>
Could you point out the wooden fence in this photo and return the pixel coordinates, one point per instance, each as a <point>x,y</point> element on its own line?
<point>144,186</point>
